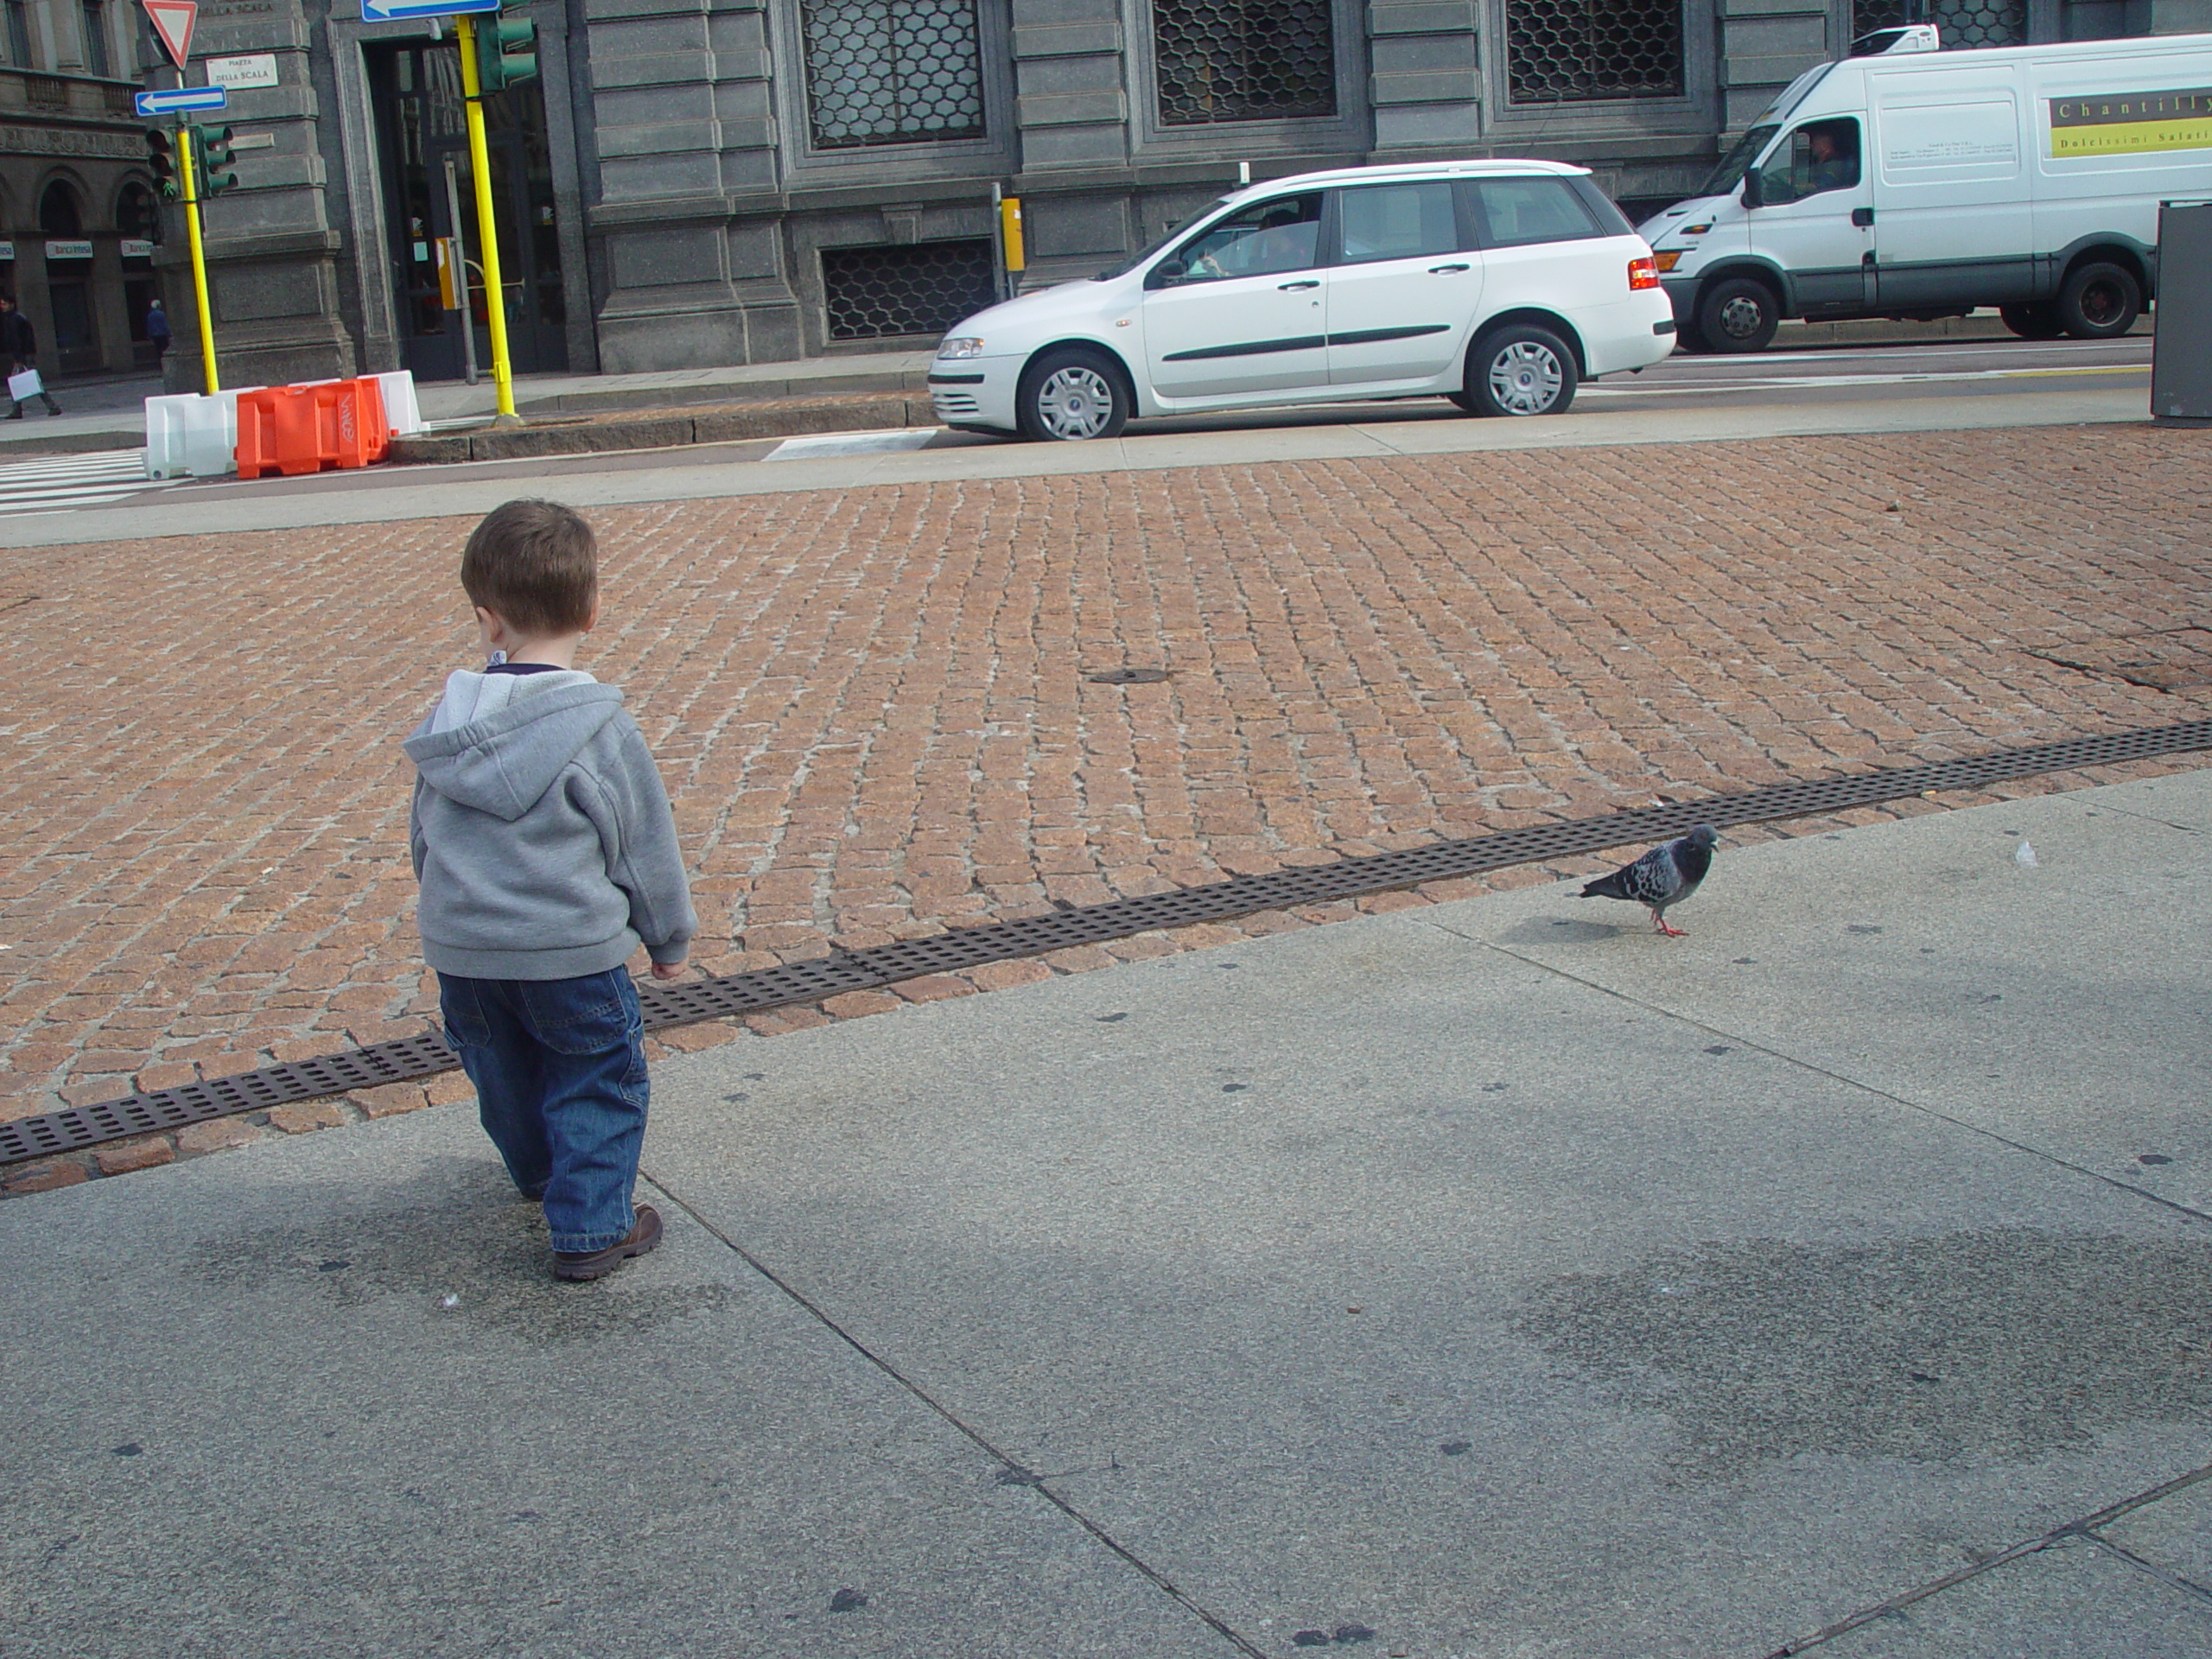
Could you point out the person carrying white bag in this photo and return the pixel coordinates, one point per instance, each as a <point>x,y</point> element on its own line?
<point>19,346</point>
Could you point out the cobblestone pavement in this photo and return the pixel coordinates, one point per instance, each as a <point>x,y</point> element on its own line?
<point>872,711</point>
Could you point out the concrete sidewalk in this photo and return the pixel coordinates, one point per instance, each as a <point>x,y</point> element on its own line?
<point>1489,1279</point>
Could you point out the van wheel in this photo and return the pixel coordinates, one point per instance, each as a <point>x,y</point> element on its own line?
<point>2036,321</point>
<point>1071,395</point>
<point>1740,314</point>
<point>2099,302</point>
<point>1521,370</point>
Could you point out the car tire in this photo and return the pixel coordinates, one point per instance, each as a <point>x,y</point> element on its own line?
<point>1466,400</point>
<point>1739,315</point>
<point>1070,396</point>
<point>2099,302</point>
<point>1521,369</point>
<point>2038,321</point>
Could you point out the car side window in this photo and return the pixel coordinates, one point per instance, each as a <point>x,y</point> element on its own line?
<point>1262,240</point>
<point>1395,221</point>
<point>1820,155</point>
<point>1513,213</point>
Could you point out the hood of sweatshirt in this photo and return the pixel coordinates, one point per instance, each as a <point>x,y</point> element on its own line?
<point>496,742</point>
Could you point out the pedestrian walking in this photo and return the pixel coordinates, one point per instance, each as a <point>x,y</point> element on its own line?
<point>157,330</point>
<point>19,346</point>
<point>546,852</point>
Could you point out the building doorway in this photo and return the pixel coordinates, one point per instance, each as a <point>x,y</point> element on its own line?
<point>68,281</point>
<point>414,87</point>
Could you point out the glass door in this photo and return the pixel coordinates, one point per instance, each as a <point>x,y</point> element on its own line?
<point>417,86</point>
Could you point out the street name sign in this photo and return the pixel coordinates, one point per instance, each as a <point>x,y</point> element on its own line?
<point>172,21</point>
<point>257,69</point>
<point>179,99</point>
<point>394,11</point>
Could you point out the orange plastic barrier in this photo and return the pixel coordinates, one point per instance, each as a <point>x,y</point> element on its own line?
<point>295,430</point>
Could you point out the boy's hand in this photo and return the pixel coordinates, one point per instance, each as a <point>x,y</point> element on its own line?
<point>668,970</point>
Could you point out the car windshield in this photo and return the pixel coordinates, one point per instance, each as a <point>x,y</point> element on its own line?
<point>1136,259</point>
<point>1725,177</point>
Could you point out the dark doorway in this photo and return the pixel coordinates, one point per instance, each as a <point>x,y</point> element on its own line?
<point>68,281</point>
<point>416,89</point>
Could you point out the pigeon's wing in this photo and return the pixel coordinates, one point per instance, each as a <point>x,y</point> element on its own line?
<point>1654,879</point>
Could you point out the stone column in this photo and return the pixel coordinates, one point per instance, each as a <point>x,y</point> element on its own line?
<point>1071,99</point>
<point>1426,85</point>
<point>1764,45</point>
<point>272,250</point>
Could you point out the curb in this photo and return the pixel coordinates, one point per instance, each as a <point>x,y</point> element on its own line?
<point>729,423</point>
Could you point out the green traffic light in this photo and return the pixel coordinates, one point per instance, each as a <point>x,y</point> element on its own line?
<point>506,52</point>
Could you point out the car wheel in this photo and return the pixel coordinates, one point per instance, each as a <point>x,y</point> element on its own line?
<point>1740,314</point>
<point>2036,321</point>
<point>1466,400</point>
<point>1071,395</point>
<point>1521,370</point>
<point>2099,302</point>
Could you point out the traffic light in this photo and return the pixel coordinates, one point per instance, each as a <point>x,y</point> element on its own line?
<point>212,149</point>
<point>506,48</point>
<point>161,160</point>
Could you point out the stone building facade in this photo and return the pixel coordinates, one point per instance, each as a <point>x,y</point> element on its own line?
<point>714,181</point>
<point>77,207</point>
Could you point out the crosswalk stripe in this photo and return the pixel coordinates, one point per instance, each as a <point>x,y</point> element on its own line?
<point>57,483</point>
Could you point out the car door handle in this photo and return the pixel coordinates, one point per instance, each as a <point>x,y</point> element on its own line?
<point>1862,216</point>
<point>1287,287</point>
<point>1440,270</point>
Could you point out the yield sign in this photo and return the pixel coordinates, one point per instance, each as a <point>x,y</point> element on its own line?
<point>173,20</point>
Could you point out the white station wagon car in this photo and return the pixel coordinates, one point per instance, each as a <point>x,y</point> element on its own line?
<point>1499,285</point>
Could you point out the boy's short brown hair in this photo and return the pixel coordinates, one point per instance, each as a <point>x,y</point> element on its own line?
<point>534,564</point>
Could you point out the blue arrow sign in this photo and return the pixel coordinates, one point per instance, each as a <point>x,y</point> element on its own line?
<point>178,100</point>
<point>394,11</point>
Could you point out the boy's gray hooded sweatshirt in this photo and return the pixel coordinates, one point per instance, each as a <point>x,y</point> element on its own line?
<point>541,833</point>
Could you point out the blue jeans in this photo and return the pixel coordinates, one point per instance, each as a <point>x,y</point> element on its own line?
<point>559,1066</point>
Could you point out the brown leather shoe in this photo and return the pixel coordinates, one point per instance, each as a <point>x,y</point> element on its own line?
<point>597,1264</point>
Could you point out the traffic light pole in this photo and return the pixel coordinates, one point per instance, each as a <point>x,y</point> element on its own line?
<point>190,192</point>
<point>487,229</point>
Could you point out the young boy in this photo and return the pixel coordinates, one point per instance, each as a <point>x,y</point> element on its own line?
<point>546,852</point>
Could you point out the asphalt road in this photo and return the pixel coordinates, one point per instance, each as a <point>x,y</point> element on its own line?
<point>1683,383</point>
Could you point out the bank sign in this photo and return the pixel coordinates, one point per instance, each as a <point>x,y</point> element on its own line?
<point>2131,123</point>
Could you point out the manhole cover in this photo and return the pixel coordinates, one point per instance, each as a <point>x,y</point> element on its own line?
<point>1129,677</point>
<point>2165,660</point>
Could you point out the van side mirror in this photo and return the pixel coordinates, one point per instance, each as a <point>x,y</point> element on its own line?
<point>1166,274</point>
<point>1753,195</point>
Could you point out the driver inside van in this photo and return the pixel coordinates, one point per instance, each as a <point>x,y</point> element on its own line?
<point>1832,151</point>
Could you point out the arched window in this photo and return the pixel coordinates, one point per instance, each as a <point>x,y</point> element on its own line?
<point>57,211</point>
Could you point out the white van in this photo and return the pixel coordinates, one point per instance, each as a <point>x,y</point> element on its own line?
<point>1924,185</point>
<point>1496,284</point>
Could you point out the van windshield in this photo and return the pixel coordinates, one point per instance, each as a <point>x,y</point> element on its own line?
<point>1725,177</point>
<point>1136,259</point>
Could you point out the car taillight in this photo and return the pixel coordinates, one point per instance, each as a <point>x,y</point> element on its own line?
<point>1643,273</point>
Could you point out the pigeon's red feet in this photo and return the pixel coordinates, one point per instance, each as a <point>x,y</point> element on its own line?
<point>1659,926</point>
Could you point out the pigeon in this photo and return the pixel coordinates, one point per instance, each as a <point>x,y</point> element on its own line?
<point>1666,875</point>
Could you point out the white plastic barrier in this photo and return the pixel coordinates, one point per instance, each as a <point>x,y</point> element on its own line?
<point>401,410</point>
<point>193,435</point>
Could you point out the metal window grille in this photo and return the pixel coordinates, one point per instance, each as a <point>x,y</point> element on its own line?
<point>919,290</point>
<point>1961,22</point>
<point>1582,51</point>
<point>1243,60</point>
<point>892,72</point>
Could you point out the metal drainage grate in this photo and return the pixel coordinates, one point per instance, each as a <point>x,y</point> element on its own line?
<point>1585,51</point>
<point>1129,676</point>
<point>1959,22</point>
<point>916,289</point>
<point>688,1002</point>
